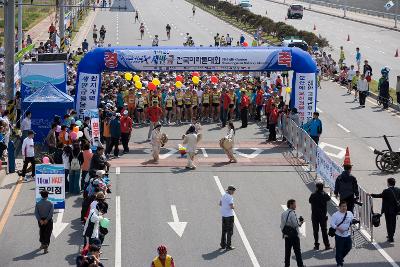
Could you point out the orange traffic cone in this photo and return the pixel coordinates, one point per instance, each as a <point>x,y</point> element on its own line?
<point>397,53</point>
<point>347,161</point>
<point>348,37</point>
<point>315,27</point>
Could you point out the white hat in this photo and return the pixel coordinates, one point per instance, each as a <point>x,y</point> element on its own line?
<point>125,112</point>
<point>100,172</point>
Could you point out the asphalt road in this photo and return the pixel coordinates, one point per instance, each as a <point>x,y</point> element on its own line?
<point>264,177</point>
<point>376,44</point>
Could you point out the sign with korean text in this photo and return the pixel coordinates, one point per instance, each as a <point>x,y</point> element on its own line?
<point>51,177</point>
<point>327,169</point>
<point>305,95</point>
<point>201,59</point>
<point>88,88</point>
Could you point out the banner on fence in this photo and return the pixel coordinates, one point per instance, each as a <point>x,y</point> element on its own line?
<point>327,169</point>
<point>51,177</point>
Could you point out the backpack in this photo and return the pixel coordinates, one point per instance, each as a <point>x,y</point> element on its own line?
<point>75,166</point>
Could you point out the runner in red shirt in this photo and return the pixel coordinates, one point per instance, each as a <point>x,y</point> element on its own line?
<point>154,113</point>
<point>273,121</point>
<point>259,103</point>
<point>244,108</point>
<point>225,100</point>
<point>126,130</point>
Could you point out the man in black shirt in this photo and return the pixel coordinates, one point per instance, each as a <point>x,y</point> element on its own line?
<point>390,206</point>
<point>318,201</point>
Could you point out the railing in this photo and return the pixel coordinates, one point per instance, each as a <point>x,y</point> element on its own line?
<point>325,168</point>
<point>346,8</point>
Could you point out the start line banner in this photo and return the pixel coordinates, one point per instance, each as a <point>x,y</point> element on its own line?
<point>200,60</point>
<point>51,177</point>
<point>327,169</point>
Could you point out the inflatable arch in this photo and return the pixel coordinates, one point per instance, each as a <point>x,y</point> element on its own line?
<point>226,59</point>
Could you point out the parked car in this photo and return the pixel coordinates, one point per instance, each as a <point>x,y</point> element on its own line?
<point>292,42</point>
<point>245,4</point>
<point>295,11</point>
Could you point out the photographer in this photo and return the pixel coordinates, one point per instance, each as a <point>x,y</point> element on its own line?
<point>318,201</point>
<point>92,259</point>
<point>290,230</point>
<point>390,206</point>
<point>346,184</point>
<point>341,222</point>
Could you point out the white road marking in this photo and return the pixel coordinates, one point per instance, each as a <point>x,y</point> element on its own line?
<point>118,170</point>
<point>176,225</point>
<point>370,147</point>
<point>204,152</point>
<point>320,111</point>
<point>302,229</point>
<point>169,153</point>
<point>117,231</point>
<point>343,128</point>
<point>59,226</point>
<point>306,168</point>
<point>240,229</point>
<point>340,155</point>
<point>256,152</point>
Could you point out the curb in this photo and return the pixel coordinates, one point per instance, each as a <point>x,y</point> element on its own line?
<point>341,17</point>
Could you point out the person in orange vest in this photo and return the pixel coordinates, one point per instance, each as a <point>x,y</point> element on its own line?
<point>163,259</point>
<point>63,137</point>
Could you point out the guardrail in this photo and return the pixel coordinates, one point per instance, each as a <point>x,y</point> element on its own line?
<point>325,168</point>
<point>346,8</point>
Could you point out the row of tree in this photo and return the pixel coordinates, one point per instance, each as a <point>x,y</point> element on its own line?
<point>280,30</point>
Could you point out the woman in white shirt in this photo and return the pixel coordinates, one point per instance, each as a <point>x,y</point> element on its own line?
<point>190,139</point>
<point>228,142</point>
<point>362,88</point>
<point>67,152</point>
<point>341,222</point>
<point>95,216</point>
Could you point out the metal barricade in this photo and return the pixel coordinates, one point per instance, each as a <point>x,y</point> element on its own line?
<point>302,143</point>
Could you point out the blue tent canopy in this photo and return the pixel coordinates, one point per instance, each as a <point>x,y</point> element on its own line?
<point>44,104</point>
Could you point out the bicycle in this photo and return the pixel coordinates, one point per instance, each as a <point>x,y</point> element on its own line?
<point>379,100</point>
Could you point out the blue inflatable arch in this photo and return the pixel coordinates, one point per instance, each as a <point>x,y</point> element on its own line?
<point>226,59</point>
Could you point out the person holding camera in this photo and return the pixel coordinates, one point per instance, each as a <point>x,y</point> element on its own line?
<point>290,230</point>
<point>390,206</point>
<point>346,185</point>
<point>92,259</point>
<point>318,201</point>
<point>341,222</point>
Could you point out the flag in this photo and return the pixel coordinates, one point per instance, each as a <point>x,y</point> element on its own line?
<point>389,5</point>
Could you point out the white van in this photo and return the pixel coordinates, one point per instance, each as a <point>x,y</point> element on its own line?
<point>245,4</point>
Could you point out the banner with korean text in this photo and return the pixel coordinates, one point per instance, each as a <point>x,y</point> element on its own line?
<point>94,126</point>
<point>327,169</point>
<point>306,95</point>
<point>51,177</point>
<point>87,94</point>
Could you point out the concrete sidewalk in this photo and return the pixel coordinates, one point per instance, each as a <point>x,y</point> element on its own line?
<point>353,16</point>
<point>39,32</point>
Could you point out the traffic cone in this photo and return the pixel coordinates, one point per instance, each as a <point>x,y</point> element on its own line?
<point>397,53</point>
<point>315,27</point>
<point>347,161</point>
<point>348,37</point>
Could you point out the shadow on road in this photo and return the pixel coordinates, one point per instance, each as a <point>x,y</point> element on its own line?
<point>213,254</point>
<point>28,256</point>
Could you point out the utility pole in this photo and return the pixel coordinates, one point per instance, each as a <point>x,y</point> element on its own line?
<point>20,34</point>
<point>9,47</point>
<point>61,27</point>
<point>397,14</point>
